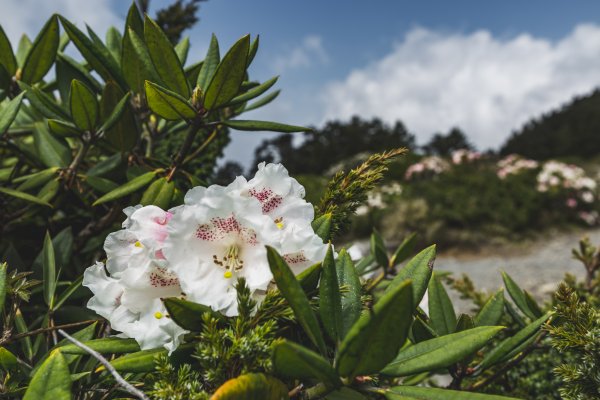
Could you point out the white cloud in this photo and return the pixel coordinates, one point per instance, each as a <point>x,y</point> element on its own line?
<point>485,85</point>
<point>28,16</point>
<point>307,54</point>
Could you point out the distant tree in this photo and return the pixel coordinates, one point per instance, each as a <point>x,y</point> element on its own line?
<point>175,18</point>
<point>444,145</point>
<point>335,142</point>
<point>572,130</point>
<point>228,172</point>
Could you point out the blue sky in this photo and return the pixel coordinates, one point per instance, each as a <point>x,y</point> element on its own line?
<point>485,66</point>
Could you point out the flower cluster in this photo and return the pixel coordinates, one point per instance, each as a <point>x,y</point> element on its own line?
<point>198,250</point>
<point>432,164</point>
<point>555,174</point>
<point>462,156</point>
<point>514,165</point>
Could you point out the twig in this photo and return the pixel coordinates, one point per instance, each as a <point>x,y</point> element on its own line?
<point>122,382</point>
<point>48,329</point>
<point>295,391</point>
<point>185,148</point>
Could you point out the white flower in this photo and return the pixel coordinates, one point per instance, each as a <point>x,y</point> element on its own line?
<point>220,234</point>
<point>139,277</point>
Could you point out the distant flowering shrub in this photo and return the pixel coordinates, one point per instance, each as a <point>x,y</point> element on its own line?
<point>432,165</point>
<point>462,156</point>
<point>197,251</point>
<point>513,165</point>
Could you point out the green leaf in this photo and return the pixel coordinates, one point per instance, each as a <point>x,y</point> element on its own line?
<point>21,326</point>
<point>102,185</point>
<point>168,104</point>
<point>137,65</point>
<point>141,361</point>
<point>441,310</point>
<point>244,125</point>
<point>330,299</point>
<point>291,360</point>
<point>106,165</point>
<point>374,340</point>
<point>309,278</point>
<point>404,250</point>
<point>491,312</point>
<point>186,314</point>
<point>52,381</point>
<point>378,249</point>
<point>49,190</point>
<point>182,48</point>
<point>532,304</point>
<point>419,270</point>
<point>134,20</point>
<point>7,56</point>
<point>210,64</point>
<point>68,69</point>
<point>322,226</point>
<point>23,49</point>
<point>497,354</point>
<point>292,291</point>
<point>24,196</point>
<point>110,345</point>
<point>98,57</point>
<point>132,186</point>
<point>42,53</point>
<point>350,283</point>
<point>228,76</point>
<point>43,102</point>
<point>253,49</point>
<point>49,268</point>
<point>262,101</point>
<point>159,193</point>
<point>53,152</point>
<point>113,43</point>
<point>345,393</point>
<point>63,129</point>
<point>36,179</point>
<point>9,112</point>
<point>64,296</point>
<point>84,106</point>
<point>440,352</point>
<point>121,133</point>
<point>253,93</point>
<point>517,295</point>
<point>8,361</point>
<point>3,268</point>
<point>252,386</point>
<point>428,393</point>
<point>165,59</point>
<point>116,113</point>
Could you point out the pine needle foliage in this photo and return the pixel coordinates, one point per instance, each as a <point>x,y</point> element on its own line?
<point>225,352</point>
<point>577,331</point>
<point>172,383</point>
<point>347,191</point>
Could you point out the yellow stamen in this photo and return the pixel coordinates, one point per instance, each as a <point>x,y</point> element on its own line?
<point>227,274</point>
<point>158,315</point>
<point>138,244</point>
<point>279,223</point>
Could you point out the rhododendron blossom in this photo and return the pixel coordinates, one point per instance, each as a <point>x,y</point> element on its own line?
<point>199,250</point>
<point>130,296</point>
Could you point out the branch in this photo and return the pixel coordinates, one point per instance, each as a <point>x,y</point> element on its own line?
<point>122,382</point>
<point>185,148</point>
<point>48,329</point>
<point>507,366</point>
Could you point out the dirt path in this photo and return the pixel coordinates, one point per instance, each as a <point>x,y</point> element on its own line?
<point>536,266</point>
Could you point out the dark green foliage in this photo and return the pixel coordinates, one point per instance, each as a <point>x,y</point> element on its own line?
<point>577,330</point>
<point>569,131</point>
<point>444,145</point>
<point>349,139</point>
<point>176,383</point>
